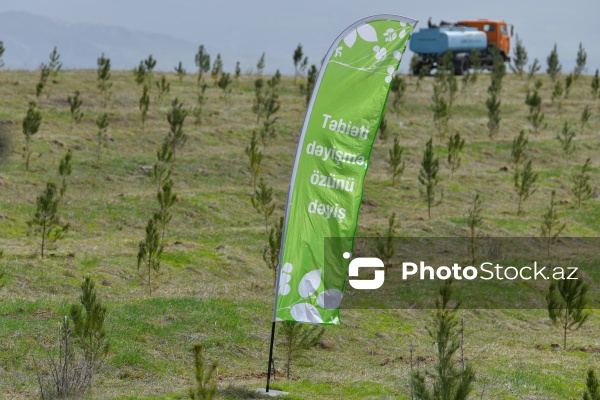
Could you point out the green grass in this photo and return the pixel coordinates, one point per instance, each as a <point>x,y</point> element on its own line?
<point>213,285</point>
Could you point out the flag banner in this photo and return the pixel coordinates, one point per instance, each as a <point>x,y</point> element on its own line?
<point>332,158</point>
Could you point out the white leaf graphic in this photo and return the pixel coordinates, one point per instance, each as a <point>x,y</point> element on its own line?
<point>350,38</point>
<point>287,267</point>
<point>367,32</point>
<point>305,312</point>
<point>330,299</point>
<point>284,289</point>
<point>309,283</point>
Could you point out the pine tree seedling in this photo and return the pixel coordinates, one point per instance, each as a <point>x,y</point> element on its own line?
<point>441,108</point>
<point>498,74</point>
<point>163,86</point>
<point>536,117</point>
<point>565,137</point>
<point>166,199</point>
<point>176,118</point>
<point>54,64</point>
<point>519,60</point>
<point>254,159</point>
<point>261,201</point>
<point>557,94</point>
<point>200,100</point>
<point>474,221</point>
<point>534,68</point>
<point>104,83</point>
<point>270,106</point>
<point>595,85</point>
<point>101,137</point>
<point>551,226</point>
<point>518,152</point>
<point>88,319</point>
<point>180,71</point>
<point>258,103</point>
<point>476,64</point>
<point>75,109</point>
<point>44,75</point>
<point>582,190</point>
<point>446,333</point>
<point>202,60</point>
<point>383,129</point>
<point>428,177</point>
<point>206,386</point>
<point>396,164</point>
<point>398,88</point>
<point>271,252</point>
<point>161,172</point>
<point>260,65</point>
<point>2,50</point>
<point>224,84</point>
<point>592,386</point>
<point>149,64</point>
<point>525,180</point>
<point>46,221</point>
<point>568,83</point>
<point>311,80</point>
<point>149,253</point>
<point>64,170</point>
<point>455,147</point>
<point>31,125</point>
<point>384,248</point>
<point>217,68</point>
<point>580,62</point>
<point>585,117</point>
<point>144,106</point>
<point>493,102</point>
<point>553,63</point>
<point>238,72</point>
<point>451,85</point>
<point>140,73</point>
<point>298,54</point>
<point>296,339</point>
<point>567,301</point>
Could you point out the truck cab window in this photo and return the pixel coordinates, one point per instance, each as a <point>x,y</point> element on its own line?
<point>489,28</point>
<point>503,30</point>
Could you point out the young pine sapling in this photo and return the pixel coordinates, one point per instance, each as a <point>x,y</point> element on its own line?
<point>31,125</point>
<point>567,301</point>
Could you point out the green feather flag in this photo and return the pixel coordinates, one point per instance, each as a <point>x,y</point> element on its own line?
<point>331,162</point>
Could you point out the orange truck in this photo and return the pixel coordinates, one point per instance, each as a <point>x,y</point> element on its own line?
<point>488,37</point>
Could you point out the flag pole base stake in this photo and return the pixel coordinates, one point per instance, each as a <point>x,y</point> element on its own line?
<point>271,392</point>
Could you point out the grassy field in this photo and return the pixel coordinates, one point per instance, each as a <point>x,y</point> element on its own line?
<point>214,287</point>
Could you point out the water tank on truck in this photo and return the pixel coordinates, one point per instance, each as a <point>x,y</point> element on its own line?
<point>460,39</point>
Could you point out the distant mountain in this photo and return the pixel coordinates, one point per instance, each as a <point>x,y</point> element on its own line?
<point>29,39</point>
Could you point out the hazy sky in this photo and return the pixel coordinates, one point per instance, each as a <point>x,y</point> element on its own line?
<point>243,29</point>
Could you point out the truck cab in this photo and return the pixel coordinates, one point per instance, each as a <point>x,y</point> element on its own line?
<point>496,32</point>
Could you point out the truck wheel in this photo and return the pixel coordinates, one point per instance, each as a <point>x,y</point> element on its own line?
<point>417,69</point>
<point>461,64</point>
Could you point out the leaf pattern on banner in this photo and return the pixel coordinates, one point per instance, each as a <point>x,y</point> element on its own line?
<point>329,299</point>
<point>382,58</point>
<point>309,283</point>
<point>305,312</point>
<point>284,279</point>
<point>366,33</point>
